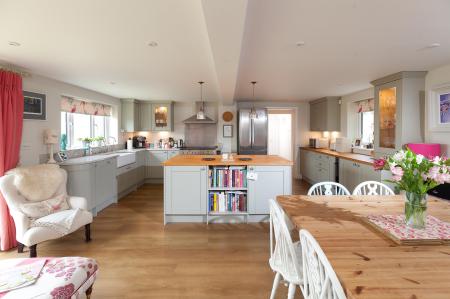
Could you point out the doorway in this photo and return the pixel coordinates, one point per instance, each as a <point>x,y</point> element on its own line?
<point>281,133</point>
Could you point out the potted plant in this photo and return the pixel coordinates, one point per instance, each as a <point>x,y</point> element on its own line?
<point>415,175</point>
<point>86,141</point>
<point>100,140</point>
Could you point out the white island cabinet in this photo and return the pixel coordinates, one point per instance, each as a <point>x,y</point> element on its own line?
<point>242,190</point>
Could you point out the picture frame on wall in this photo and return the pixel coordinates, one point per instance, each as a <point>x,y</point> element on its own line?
<point>227,131</point>
<point>34,106</point>
<point>439,108</point>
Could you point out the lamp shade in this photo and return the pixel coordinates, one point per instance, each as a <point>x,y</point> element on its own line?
<point>50,136</point>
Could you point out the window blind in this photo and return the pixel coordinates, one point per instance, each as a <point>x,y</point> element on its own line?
<point>365,105</point>
<point>83,107</point>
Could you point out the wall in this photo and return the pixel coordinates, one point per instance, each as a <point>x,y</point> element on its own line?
<point>302,133</point>
<point>32,138</point>
<point>434,79</point>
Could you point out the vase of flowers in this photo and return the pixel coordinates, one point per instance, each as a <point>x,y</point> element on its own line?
<point>415,175</point>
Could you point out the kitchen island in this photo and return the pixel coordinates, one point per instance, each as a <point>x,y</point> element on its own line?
<point>205,188</point>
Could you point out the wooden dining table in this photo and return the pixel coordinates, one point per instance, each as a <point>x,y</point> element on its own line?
<point>368,263</point>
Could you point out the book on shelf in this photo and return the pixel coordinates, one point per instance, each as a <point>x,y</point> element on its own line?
<point>227,201</point>
<point>228,177</point>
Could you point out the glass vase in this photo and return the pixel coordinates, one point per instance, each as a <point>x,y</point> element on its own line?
<point>416,210</point>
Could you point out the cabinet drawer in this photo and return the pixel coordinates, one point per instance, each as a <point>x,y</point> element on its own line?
<point>126,168</point>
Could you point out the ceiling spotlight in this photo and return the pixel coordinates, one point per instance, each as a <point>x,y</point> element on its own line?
<point>152,44</point>
<point>112,83</point>
<point>300,43</point>
<point>434,45</point>
<point>14,44</point>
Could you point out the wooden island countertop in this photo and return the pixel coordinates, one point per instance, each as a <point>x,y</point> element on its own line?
<point>358,158</point>
<point>198,160</point>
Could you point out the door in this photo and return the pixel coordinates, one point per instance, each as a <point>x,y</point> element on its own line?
<point>280,133</point>
<point>186,192</point>
<point>105,179</point>
<point>270,182</point>
<point>145,116</point>
<point>245,142</point>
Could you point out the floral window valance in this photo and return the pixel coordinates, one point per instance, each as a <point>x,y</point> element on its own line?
<point>79,106</point>
<point>365,106</point>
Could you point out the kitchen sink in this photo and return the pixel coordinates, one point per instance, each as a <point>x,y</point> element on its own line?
<point>244,159</point>
<point>125,159</point>
<point>208,159</point>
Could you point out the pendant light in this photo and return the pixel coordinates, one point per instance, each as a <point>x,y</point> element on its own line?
<point>253,114</point>
<point>201,112</point>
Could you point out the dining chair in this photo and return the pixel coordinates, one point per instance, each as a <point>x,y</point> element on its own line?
<point>328,188</point>
<point>319,278</point>
<point>285,255</point>
<point>372,188</point>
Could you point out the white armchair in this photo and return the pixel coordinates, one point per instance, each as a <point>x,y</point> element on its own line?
<point>30,236</point>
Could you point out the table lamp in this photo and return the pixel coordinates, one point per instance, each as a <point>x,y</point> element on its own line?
<point>50,138</point>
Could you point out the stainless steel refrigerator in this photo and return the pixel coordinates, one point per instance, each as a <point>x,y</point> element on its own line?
<point>252,133</point>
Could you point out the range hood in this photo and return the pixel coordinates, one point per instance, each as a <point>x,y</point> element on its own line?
<point>194,120</point>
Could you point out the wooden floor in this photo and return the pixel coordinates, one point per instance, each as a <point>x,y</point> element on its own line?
<point>140,258</point>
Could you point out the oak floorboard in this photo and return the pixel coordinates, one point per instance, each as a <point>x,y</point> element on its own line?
<point>140,258</point>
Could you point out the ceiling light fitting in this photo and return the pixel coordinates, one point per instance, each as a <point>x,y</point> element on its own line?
<point>253,114</point>
<point>300,43</point>
<point>152,44</point>
<point>14,44</point>
<point>201,112</point>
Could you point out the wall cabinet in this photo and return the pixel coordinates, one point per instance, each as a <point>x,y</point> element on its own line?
<point>94,181</point>
<point>270,181</point>
<point>162,116</point>
<point>398,112</point>
<point>351,174</point>
<point>130,121</point>
<point>145,116</point>
<point>185,190</point>
<point>325,114</point>
<point>316,167</point>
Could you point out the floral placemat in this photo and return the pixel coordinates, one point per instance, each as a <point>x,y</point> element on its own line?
<point>394,226</point>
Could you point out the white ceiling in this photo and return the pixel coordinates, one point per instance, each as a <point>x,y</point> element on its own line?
<point>226,43</point>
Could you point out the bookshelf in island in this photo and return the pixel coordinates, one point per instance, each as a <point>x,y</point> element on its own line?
<point>206,189</point>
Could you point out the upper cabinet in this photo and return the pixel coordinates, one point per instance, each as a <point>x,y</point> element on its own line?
<point>325,114</point>
<point>130,115</point>
<point>162,116</point>
<point>398,110</point>
<point>146,116</point>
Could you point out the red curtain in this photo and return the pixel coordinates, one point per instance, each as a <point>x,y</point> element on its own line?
<point>11,120</point>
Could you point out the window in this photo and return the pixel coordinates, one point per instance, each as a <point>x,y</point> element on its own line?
<point>366,123</point>
<point>77,126</point>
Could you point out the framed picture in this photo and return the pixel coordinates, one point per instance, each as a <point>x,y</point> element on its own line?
<point>439,108</point>
<point>227,130</point>
<point>34,106</point>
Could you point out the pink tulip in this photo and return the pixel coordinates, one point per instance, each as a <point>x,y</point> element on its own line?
<point>397,171</point>
<point>378,164</point>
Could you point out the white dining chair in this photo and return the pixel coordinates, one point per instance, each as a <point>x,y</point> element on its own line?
<point>328,188</point>
<point>319,278</point>
<point>285,255</point>
<point>372,188</point>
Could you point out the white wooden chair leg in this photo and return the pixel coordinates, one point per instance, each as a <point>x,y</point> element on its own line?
<point>291,291</point>
<point>276,282</point>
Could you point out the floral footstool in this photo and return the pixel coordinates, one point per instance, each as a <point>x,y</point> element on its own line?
<point>59,278</point>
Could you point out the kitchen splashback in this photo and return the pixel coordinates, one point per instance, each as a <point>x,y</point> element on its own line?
<point>200,134</point>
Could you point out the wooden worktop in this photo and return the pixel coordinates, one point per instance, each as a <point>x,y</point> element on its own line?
<point>358,158</point>
<point>368,264</point>
<point>196,160</point>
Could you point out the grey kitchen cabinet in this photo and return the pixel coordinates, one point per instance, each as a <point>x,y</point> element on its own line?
<point>162,116</point>
<point>316,167</point>
<point>185,190</point>
<point>145,116</point>
<point>141,166</point>
<point>352,173</point>
<point>105,183</point>
<point>398,111</point>
<point>154,161</point>
<point>269,182</point>
<point>130,115</point>
<point>325,114</point>
<point>94,181</point>
<point>127,178</point>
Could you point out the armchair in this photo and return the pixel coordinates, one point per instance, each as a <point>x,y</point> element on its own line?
<point>30,236</point>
